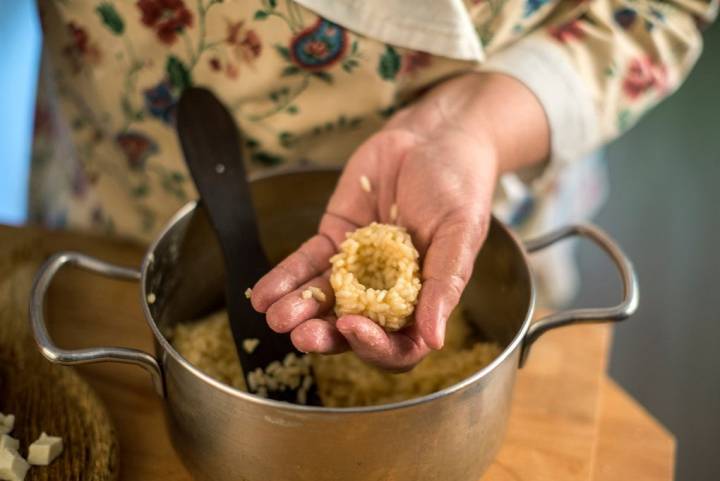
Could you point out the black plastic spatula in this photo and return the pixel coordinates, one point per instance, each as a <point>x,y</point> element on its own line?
<point>211,145</point>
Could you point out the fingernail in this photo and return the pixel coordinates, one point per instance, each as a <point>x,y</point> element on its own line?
<point>440,326</point>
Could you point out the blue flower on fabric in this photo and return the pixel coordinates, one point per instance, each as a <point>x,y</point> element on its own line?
<point>319,46</point>
<point>657,14</point>
<point>625,17</point>
<point>161,102</point>
<point>532,6</point>
<point>137,147</point>
<point>658,17</point>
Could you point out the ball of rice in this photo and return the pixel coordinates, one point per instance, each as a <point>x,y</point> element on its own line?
<point>376,275</point>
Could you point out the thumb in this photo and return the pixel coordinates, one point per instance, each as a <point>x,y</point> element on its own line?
<point>447,267</point>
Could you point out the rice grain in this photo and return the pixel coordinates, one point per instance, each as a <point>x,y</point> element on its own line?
<point>343,380</point>
<point>393,212</point>
<point>250,344</point>
<point>365,184</point>
<point>318,294</point>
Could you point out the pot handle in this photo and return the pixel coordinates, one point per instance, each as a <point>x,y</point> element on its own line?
<point>609,314</point>
<point>58,355</point>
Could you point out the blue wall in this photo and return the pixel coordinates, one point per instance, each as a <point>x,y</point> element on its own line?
<point>19,57</point>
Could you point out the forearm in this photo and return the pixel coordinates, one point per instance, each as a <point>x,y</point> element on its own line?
<point>597,66</point>
<point>488,107</point>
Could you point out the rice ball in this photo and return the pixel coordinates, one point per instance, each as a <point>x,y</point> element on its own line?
<point>376,275</point>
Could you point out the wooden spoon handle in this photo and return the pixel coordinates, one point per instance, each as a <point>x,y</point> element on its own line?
<point>211,145</point>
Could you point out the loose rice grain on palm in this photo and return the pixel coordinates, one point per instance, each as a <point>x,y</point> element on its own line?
<point>365,183</point>
<point>393,213</point>
<point>314,293</point>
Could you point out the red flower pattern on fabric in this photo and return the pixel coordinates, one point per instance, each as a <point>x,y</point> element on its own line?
<point>80,50</point>
<point>231,71</point>
<point>167,17</point>
<point>316,48</point>
<point>567,32</point>
<point>643,74</point>
<point>414,61</point>
<point>137,147</point>
<point>245,43</point>
<point>43,121</point>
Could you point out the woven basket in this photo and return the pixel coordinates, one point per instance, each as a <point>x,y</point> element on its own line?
<point>43,396</point>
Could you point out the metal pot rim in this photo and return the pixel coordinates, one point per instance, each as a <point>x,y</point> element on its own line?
<point>167,346</point>
<point>524,339</point>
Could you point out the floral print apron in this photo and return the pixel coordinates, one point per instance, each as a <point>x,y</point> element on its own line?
<point>304,91</point>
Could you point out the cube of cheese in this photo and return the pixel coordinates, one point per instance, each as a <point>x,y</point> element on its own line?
<point>44,450</point>
<point>9,442</point>
<point>6,423</point>
<point>12,466</point>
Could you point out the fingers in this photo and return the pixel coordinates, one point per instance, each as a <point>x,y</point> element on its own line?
<point>299,316</point>
<point>310,260</point>
<point>291,310</point>
<point>437,300</point>
<point>398,351</point>
<point>447,267</point>
<point>319,336</point>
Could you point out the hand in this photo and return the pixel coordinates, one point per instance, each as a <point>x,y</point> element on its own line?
<point>441,176</point>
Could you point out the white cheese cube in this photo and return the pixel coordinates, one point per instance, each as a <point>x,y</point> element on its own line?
<point>43,451</point>
<point>12,466</point>
<point>6,423</point>
<point>9,442</point>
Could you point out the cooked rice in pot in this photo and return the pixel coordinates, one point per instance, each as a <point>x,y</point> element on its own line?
<point>375,274</point>
<point>343,380</point>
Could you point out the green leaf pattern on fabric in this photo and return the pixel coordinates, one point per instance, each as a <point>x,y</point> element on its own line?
<point>111,18</point>
<point>283,51</point>
<point>185,52</point>
<point>177,72</point>
<point>389,64</point>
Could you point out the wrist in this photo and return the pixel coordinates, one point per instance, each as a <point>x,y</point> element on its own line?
<point>491,108</point>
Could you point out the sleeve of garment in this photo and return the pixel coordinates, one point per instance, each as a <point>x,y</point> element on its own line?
<point>598,65</point>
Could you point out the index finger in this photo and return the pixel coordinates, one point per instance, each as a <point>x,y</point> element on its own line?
<point>308,262</point>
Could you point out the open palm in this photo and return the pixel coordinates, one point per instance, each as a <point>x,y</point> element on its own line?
<point>442,186</point>
<point>438,161</point>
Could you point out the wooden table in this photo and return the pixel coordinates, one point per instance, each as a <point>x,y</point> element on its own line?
<point>569,421</point>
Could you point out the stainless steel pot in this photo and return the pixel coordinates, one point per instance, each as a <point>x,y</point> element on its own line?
<point>225,434</point>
